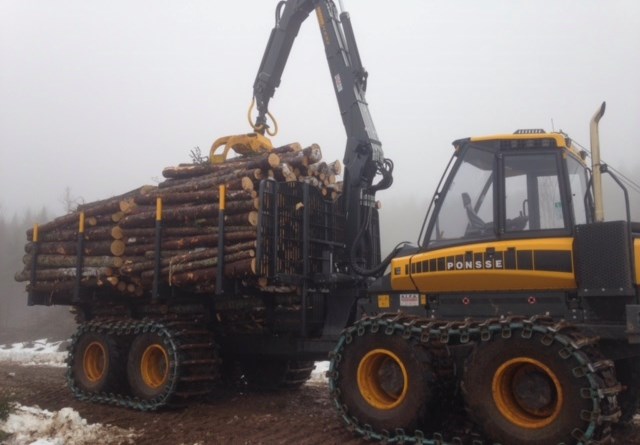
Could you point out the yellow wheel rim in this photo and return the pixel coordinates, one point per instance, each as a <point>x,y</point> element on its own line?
<point>527,393</point>
<point>382,379</point>
<point>94,361</point>
<point>154,366</point>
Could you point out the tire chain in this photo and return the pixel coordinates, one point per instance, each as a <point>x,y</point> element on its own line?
<point>186,340</point>
<point>599,372</point>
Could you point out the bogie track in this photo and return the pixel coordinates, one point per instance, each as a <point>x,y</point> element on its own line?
<point>515,352</point>
<point>168,362</point>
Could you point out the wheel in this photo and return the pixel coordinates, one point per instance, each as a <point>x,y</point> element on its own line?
<point>628,372</point>
<point>275,374</point>
<point>386,382</point>
<point>520,391</point>
<point>97,365</point>
<point>151,366</point>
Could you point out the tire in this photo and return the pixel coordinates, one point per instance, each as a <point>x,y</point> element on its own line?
<point>151,366</point>
<point>521,391</point>
<point>386,382</point>
<point>628,372</point>
<point>276,374</point>
<point>97,364</point>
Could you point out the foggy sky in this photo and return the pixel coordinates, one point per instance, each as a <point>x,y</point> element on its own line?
<point>100,96</point>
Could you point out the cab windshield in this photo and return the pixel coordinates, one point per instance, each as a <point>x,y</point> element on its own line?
<point>467,209</point>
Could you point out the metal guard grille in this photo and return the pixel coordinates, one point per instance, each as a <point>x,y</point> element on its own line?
<point>603,259</point>
<point>299,232</point>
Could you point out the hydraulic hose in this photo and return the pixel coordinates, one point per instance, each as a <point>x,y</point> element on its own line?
<point>380,268</point>
<point>385,168</point>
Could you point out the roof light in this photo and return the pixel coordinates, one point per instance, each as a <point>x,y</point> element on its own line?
<point>530,131</point>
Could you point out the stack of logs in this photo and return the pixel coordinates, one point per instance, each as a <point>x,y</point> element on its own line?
<point>119,232</point>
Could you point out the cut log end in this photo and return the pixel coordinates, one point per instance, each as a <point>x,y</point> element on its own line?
<point>247,184</point>
<point>116,232</point>
<point>273,160</point>
<point>117,247</point>
<point>253,218</point>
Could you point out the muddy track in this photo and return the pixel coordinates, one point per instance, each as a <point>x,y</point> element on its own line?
<point>305,416</point>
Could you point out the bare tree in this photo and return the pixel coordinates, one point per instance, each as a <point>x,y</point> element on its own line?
<point>69,202</point>
<point>197,157</point>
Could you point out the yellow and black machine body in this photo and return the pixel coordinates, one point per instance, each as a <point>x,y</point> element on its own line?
<point>512,231</point>
<point>517,306</point>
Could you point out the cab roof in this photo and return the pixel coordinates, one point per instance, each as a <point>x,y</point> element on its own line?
<point>536,137</point>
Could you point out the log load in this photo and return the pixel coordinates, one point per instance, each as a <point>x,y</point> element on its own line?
<point>118,239</point>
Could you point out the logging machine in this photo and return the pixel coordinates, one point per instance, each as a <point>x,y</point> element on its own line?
<point>515,320</point>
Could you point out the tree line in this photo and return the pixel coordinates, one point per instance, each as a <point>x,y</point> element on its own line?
<point>19,322</point>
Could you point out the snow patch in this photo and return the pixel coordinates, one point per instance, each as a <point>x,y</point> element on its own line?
<point>319,375</point>
<point>37,352</point>
<point>35,426</point>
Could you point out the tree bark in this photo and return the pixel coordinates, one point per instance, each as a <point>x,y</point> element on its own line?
<point>136,267</point>
<point>90,234</point>
<point>54,261</point>
<point>313,153</point>
<point>186,171</point>
<point>53,287</point>
<point>176,268</point>
<point>184,214</point>
<point>173,232</point>
<point>289,148</point>
<point>232,270</point>
<point>91,248</point>
<point>189,243</point>
<point>206,182</point>
<point>64,273</point>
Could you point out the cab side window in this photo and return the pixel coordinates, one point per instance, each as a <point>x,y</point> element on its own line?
<point>580,196</point>
<point>532,199</point>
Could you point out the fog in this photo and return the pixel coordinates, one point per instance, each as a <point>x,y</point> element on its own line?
<point>19,322</point>
<point>97,97</point>
<point>100,96</point>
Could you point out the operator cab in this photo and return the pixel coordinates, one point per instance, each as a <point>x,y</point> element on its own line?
<point>525,185</point>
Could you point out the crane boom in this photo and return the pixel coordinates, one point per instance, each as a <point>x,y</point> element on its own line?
<point>363,157</point>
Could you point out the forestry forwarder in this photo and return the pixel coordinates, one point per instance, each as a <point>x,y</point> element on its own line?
<point>515,320</point>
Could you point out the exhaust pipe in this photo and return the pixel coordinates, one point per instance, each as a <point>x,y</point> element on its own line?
<point>596,164</point>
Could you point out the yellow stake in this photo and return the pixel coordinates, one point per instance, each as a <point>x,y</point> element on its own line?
<point>223,197</point>
<point>159,209</point>
<point>35,233</point>
<point>81,224</point>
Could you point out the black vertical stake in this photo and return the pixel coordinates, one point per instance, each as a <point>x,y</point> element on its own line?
<point>79,260</point>
<point>222,203</point>
<point>306,233</point>
<point>34,264</point>
<point>275,246</point>
<point>260,267</point>
<point>157,252</point>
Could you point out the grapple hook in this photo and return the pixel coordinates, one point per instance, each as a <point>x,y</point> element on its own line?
<point>243,144</point>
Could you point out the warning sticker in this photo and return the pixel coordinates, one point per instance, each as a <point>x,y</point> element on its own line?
<point>383,301</point>
<point>409,300</point>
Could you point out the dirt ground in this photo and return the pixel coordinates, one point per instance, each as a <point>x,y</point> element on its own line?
<point>298,417</point>
<point>303,417</point>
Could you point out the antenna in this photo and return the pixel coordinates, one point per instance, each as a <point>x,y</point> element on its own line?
<point>553,126</point>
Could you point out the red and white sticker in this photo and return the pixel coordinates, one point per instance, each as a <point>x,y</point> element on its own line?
<point>409,300</point>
